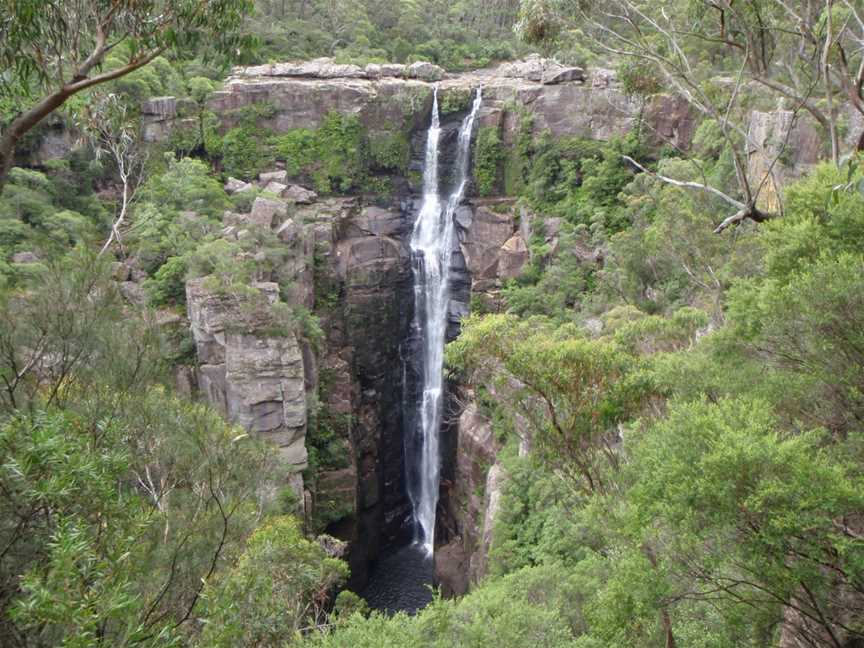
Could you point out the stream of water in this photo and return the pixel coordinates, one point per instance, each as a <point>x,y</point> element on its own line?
<point>431,247</point>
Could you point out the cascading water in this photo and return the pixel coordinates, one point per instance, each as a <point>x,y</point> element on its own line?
<point>431,247</point>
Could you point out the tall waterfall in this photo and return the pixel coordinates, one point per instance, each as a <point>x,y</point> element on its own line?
<point>431,247</point>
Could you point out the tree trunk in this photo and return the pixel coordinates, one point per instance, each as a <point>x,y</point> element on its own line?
<point>23,123</point>
<point>28,119</point>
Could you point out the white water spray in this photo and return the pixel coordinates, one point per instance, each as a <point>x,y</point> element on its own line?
<point>431,246</point>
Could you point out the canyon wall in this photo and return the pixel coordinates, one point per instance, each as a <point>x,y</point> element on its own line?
<point>342,402</point>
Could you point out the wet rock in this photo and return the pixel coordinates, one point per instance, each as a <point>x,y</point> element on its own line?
<point>473,502</point>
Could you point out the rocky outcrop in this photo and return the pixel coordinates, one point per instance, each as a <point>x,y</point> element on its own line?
<point>566,101</point>
<point>782,147</point>
<point>492,248</point>
<point>472,503</point>
<point>250,370</point>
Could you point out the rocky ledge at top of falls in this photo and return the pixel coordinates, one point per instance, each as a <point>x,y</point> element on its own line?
<point>566,101</point>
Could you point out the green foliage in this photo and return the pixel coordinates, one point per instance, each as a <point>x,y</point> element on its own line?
<point>79,587</point>
<point>638,78</point>
<point>518,154</point>
<point>331,156</point>
<point>389,151</point>
<point>277,587</point>
<point>488,156</point>
<point>246,152</point>
<point>161,229</point>
<point>455,100</point>
<point>572,391</point>
<point>47,214</point>
<point>556,287</point>
<point>460,36</point>
<point>168,284</point>
<point>578,180</point>
<point>530,607</point>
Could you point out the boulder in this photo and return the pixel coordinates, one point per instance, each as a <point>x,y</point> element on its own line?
<point>482,244</point>
<point>594,325</point>
<point>530,68</point>
<point>514,256</point>
<point>300,195</point>
<point>601,78</point>
<point>375,221</point>
<point>266,212</point>
<point>275,188</point>
<point>273,176</point>
<point>289,231</point>
<point>133,293</point>
<point>372,71</point>
<point>333,547</point>
<point>25,257</point>
<point>393,70</point>
<point>451,569</point>
<point>233,219</point>
<point>425,71</point>
<point>233,185</point>
<point>120,271</point>
<point>560,74</point>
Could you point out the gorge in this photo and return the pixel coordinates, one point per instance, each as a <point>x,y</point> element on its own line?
<point>356,323</point>
<point>391,275</point>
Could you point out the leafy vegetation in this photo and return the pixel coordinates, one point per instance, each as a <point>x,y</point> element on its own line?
<point>457,36</point>
<point>678,388</point>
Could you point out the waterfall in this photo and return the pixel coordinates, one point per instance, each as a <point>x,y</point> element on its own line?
<point>431,246</point>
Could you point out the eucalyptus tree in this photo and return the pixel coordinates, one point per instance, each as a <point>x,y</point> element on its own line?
<point>720,56</point>
<point>51,51</point>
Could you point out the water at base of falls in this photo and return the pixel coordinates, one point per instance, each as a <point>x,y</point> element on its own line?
<point>431,245</point>
<point>400,582</point>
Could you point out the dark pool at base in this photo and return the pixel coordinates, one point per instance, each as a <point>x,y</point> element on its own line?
<point>401,581</point>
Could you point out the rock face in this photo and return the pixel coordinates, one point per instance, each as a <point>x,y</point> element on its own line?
<point>492,249</point>
<point>362,295</point>
<point>566,101</point>
<point>794,143</point>
<point>472,504</point>
<point>254,375</point>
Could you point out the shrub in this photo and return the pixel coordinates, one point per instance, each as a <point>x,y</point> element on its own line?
<point>488,155</point>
